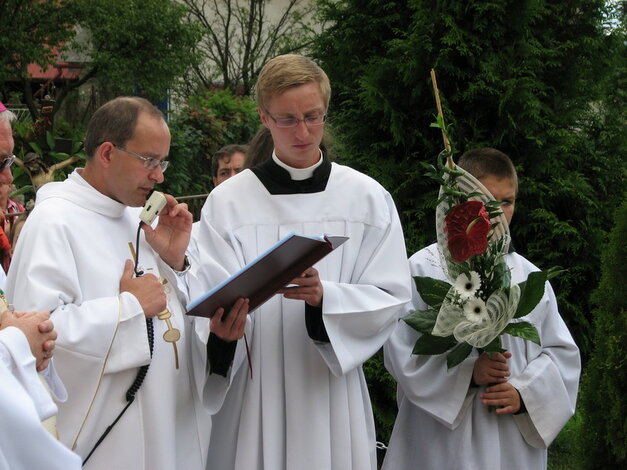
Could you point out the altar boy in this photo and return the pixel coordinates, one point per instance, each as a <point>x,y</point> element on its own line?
<point>496,412</point>
<point>303,402</point>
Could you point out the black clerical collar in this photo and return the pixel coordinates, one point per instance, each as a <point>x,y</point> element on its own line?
<point>277,180</point>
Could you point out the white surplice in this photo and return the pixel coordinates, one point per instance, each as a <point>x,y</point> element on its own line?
<point>70,260</point>
<point>24,403</point>
<point>441,422</point>
<point>307,405</point>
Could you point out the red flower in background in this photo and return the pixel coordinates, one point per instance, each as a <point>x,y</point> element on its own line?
<point>5,251</point>
<point>467,227</point>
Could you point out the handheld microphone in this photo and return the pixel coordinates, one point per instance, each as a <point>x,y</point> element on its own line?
<point>154,205</point>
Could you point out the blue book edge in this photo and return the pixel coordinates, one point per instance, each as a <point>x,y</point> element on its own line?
<point>285,239</point>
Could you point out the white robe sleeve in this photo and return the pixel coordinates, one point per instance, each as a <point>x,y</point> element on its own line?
<point>24,402</point>
<point>359,315</point>
<point>208,269</point>
<point>548,384</point>
<point>3,279</point>
<point>360,305</point>
<point>445,394</point>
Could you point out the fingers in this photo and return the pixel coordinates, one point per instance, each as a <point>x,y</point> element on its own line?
<point>149,232</point>
<point>498,357</point>
<point>39,332</point>
<point>147,289</point>
<point>308,278</point>
<point>491,368</point>
<point>128,269</point>
<point>504,397</point>
<point>218,315</point>
<point>41,366</point>
<point>48,346</point>
<point>175,209</point>
<point>47,326</point>
<point>171,202</point>
<point>231,327</point>
<point>48,351</point>
<point>307,287</point>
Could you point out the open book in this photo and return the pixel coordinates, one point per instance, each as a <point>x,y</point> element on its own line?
<point>261,278</point>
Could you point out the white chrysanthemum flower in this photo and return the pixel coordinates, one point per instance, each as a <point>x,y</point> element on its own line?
<point>467,287</point>
<point>476,311</point>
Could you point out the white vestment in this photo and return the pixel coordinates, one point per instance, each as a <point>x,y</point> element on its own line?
<point>441,422</point>
<point>307,405</point>
<point>24,402</point>
<point>70,260</point>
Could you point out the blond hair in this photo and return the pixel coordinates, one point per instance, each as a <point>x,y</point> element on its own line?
<point>287,71</point>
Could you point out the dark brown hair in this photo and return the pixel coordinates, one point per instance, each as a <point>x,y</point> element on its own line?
<point>486,161</point>
<point>226,151</point>
<point>115,121</point>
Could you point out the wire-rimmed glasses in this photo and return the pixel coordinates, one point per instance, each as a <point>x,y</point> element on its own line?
<point>310,121</point>
<point>150,163</point>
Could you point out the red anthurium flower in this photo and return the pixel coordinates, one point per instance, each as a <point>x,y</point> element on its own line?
<point>467,227</point>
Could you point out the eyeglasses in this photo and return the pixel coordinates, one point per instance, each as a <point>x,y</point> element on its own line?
<point>310,121</point>
<point>150,163</point>
<point>7,162</point>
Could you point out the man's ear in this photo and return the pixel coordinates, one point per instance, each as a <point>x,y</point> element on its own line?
<point>263,117</point>
<point>104,153</point>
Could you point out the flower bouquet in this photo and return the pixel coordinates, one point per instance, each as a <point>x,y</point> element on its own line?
<point>477,304</point>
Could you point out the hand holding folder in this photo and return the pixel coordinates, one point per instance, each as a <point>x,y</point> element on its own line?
<point>264,276</point>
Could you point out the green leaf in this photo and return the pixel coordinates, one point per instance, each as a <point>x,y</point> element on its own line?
<point>531,291</point>
<point>458,354</point>
<point>50,140</point>
<point>502,276</point>
<point>59,156</point>
<point>432,291</point>
<point>430,345</point>
<point>22,190</point>
<point>523,330</point>
<point>494,346</point>
<point>35,146</point>
<point>422,321</point>
<point>554,272</point>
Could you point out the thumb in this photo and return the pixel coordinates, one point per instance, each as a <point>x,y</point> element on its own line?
<point>149,232</point>
<point>128,270</point>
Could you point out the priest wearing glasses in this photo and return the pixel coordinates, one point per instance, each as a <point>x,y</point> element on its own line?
<point>116,290</point>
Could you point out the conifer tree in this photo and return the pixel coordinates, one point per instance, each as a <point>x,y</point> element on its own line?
<point>541,80</point>
<point>602,402</point>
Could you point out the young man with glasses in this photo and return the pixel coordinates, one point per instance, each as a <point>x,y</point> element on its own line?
<point>305,404</point>
<point>75,258</point>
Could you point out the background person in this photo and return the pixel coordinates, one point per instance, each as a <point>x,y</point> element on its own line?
<point>7,206</point>
<point>227,162</point>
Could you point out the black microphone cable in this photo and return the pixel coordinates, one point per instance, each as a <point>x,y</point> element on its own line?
<point>143,370</point>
